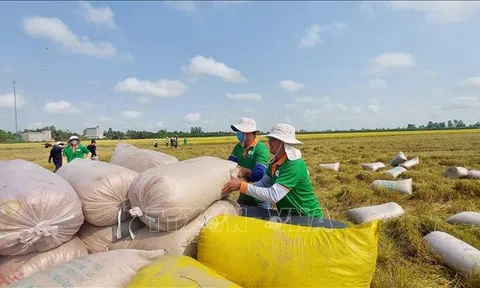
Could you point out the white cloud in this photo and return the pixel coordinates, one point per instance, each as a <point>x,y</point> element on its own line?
<point>373,100</point>
<point>311,37</point>
<point>6,69</point>
<point>200,65</point>
<point>93,82</point>
<point>245,96</point>
<point>160,88</point>
<point>394,60</point>
<point>7,101</point>
<point>471,83</point>
<point>291,85</point>
<point>128,57</point>
<point>249,110</point>
<point>103,118</point>
<point>143,99</point>
<point>312,99</point>
<point>377,84</point>
<point>56,31</point>
<point>161,124</point>
<point>391,61</point>
<point>36,125</point>
<point>132,114</point>
<point>463,103</point>
<point>374,107</point>
<point>62,107</point>
<point>439,11</point>
<point>428,73</point>
<point>192,117</point>
<point>99,16</point>
<point>183,6</point>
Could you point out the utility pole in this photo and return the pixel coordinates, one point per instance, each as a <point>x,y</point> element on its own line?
<point>15,104</point>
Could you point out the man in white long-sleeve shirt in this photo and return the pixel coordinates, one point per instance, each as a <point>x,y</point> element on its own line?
<point>286,182</point>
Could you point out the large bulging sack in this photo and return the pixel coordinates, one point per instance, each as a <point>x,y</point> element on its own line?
<point>455,253</point>
<point>102,187</point>
<point>332,166</point>
<point>373,166</point>
<point>410,163</point>
<point>397,171</point>
<point>381,212</point>
<point>167,197</point>
<point>14,268</point>
<point>257,253</point>
<point>39,210</point>
<point>178,271</point>
<point>182,241</point>
<point>139,160</point>
<point>398,159</point>
<point>99,239</point>
<point>468,217</point>
<point>474,174</point>
<point>402,186</point>
<point>106,269</point>
<point>456,172</point>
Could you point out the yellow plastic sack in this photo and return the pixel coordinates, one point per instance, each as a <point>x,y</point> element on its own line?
<point>178,271</point>
<point>257,253</point>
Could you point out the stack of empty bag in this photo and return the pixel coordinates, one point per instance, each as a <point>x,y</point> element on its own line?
<point>455,172</point>
<point>40,213</point>
<point>174,201</point>
<point>139,160</point>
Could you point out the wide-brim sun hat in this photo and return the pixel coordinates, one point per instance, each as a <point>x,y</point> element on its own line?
<point>73,138</point>
<point>286,134</point>
<point>245,125</point>
<point>60,143</point>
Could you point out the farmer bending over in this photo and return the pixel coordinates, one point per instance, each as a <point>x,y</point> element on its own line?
<point>252,158</point>
<point>286,182</point>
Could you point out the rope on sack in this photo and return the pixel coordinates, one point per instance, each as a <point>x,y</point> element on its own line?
<point>32,235</point>
<point>119,219</point>
<point>137,212</point>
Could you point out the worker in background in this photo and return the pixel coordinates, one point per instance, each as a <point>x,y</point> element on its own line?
<point>175,142</point>
<point>56,155</point>
<point>155,143</point>
<point>185,141</point>
<point>172,139</point>
<point>251,156</point>
<point>93,149</point>
<point>167,141</point>
<point>286,182</point>
<point>75,150</point>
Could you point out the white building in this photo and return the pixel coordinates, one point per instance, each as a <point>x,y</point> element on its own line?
<point>44,136</point>
<point>93,133</point>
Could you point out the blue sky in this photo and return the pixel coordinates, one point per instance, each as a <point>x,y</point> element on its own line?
<point>173,65</point>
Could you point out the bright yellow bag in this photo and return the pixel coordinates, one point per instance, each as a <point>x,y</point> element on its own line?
<point>178,271</point>
<point>257,253</point>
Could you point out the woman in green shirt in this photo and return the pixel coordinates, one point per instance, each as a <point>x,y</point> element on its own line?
<point>286,183</point>
<point>75,150</point>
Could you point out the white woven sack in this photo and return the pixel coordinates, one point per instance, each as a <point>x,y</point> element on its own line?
<point>402,186</point>
<point>398,159</point>
<point>39,210</point>
<point>382,212</point>
<point>410,163</point>
<point>467,217</point>
<point>333,166</point>
<point>456,172</point>
<point>456,254</point>
<point>373,166</point>
<point>397,171</point>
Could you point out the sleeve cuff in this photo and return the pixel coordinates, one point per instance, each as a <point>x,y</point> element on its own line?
<point>243,187</point>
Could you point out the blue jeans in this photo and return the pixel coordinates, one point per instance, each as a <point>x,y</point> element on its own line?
<point>264,205</point>
<point>273,216</point>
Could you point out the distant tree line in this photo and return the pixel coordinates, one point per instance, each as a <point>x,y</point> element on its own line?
<point>63,135</point>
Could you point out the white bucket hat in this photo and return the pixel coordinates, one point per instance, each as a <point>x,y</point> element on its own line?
<point>245,125</point>
<point>73,138</point>
<point>286,134</point>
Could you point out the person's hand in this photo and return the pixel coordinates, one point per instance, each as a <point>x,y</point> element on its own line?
<point>232,185</point>
<point>244,172</point>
